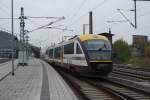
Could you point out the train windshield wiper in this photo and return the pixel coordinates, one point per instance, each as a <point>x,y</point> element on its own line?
<point>100,49</point>
<point>104,47</point>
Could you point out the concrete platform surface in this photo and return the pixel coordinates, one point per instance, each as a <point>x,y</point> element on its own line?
<point>37,81</point>
<point>6,68</point>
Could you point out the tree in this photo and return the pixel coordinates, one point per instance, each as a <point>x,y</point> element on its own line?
<point>121,50</point>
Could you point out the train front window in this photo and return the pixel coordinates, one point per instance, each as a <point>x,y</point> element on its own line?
<point>98,49</point>
<point>98,45</point>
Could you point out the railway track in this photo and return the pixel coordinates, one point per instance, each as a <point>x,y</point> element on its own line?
<point>125,90</point>
<point>104,89</point>
<point>136,78</point>
<point>131,68</point>
<point>132,75</point>
<point>88,91</point>
<point>132,71</point>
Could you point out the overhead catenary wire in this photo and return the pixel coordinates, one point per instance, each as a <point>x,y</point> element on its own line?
<point>94,8</point>
<point>50,23</point>
<point>38,25</point>
<point>34,23</point>
<point>79,8</point>
<point>129,10</point>
<point>139,16</point>
<point>99,5</point>
<point>122,13</point>
<point>142,15</point>
<point>8,18</point>
<point>126,18</point>
<point>37,17</point>
<point>119,21</point>
<point>63,29</point>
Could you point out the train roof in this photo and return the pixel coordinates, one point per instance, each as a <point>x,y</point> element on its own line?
<point>92,37</point>
<point>82,38</point>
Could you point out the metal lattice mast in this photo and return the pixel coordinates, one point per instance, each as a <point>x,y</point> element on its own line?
<point>22,35</point>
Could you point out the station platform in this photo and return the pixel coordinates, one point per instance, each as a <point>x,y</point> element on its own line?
<point>37,81</point>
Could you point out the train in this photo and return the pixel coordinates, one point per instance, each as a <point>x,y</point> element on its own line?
<point>87,55</point>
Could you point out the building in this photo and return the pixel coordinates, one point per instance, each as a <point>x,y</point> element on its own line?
<point>6,43</point>
<point>139,41</point>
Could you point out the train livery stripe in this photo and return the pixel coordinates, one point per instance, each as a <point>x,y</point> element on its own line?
<point>92,37</point>
<point>75,58</point>
<point>102,61</point>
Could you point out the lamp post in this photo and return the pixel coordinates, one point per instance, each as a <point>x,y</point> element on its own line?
<point>12,26</point>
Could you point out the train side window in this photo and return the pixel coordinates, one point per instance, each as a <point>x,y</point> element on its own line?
<point>69,48</point>
<point>46,52</point>
<point>78,49</point>
<point>57,52</point>
<point>51,53</point>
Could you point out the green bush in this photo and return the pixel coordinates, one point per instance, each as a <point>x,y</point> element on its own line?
<point>121,50</point>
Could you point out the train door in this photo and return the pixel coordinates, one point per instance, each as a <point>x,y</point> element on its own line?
<point>68,53</point>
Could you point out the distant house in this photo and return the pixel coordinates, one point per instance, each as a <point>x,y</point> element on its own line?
<point>139,42</point>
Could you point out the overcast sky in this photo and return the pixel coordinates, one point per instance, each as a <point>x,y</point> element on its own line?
<point>76,14</point>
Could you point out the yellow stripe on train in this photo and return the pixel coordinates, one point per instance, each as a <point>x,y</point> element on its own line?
<point>102,61</point>
<point>92,37</point>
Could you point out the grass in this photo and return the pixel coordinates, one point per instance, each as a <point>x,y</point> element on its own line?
<point>140,62</point>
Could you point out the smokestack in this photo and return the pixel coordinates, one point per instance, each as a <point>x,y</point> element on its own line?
<point>90,23</point>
